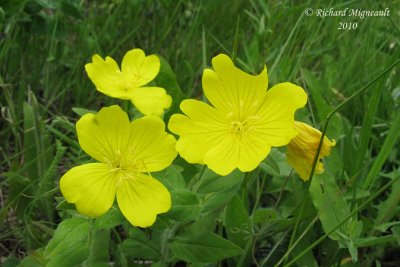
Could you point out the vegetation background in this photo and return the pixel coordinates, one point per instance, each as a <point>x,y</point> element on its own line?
<point>44,46</point>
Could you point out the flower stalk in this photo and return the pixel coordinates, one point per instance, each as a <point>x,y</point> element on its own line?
<point>324,129</point>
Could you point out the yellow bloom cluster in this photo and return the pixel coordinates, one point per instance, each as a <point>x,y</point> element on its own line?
<point>126,151</point>
<point>237,129</point>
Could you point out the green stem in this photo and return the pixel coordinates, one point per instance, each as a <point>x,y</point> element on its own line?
<point>296,227</point>
<point>242,260</point>
<point>283,189</point>
<point>258,193</point>
<point>92,233</point>
<point>328,118</point>
<point>166,236</point>
<point>194,183</point>
<point>298,240</point>
<point>343,221</point>
<point>265,260</point>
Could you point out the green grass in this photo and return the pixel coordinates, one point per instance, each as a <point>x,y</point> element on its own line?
<point>44,46</point>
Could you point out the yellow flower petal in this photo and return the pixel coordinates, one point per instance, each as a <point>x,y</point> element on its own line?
<point>140,68</point>
<point>224,157</point>
<point>234,151</point>
<point>141,199</point>
<point>302,149</point>
<point>107,77</point>
<point>128,150</point>
<point>254,149</point>
<point>245,122</point>
<point>276,114</point>
<point>152,147</point>
<point>137,70</point>
<point>230,89</point>
<point>150,100</point>
<point>91,187</point>
<point>201,130</point>
<point>104,136</point>
<point>109,137</point>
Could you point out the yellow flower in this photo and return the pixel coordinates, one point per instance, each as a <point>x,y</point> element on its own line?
<point>126,152</point>
<point>303,148</point>
<point>136,71</point>
<point>243,123</point>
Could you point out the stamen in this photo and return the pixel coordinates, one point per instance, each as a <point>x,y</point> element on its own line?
<point>239,128</point>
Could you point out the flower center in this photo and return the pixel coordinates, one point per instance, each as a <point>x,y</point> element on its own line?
<point>125,166</point>
<point>239,128</point>
<point>130,81</point>
<point>125,161</point>
<point>123,175</point>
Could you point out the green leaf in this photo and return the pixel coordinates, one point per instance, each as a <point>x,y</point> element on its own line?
<point>270,162</point>
<point>38,155</point>
<point>388,208</point>
<point>139,249</point>
<point>109,220</point>
<point>360,194</point>
<point>352,250</point>
<point>218,190</point>
<point>167,80</point>
<point>82,111</point>
<point>375,241</point>
<point>185,206</point>
<point>237,222</point>
<point>323,107</point>
<point>68,232</point>
<point>99,246</point>
<point>35,140</point>
<point>70,258</point>
<point>385,226</point>
<point>277,167</point>
<point>162,222</point>
<point>212,182</point>
<point>171,178</point>
<point>396,233</point>
<point>205,248</point>
<point>19,186</point>
<point>314,85</point>
<point>68,246</point>
<point>206,223</point>
<point>332,207</point>
<point>366,129</point>
<point>64,205</point>
<point>139,246</point>
<point>390,140</point>
<point>264,214</point>
<point>34,259</point>
<point>218,199</point>
<point>327,199</point>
